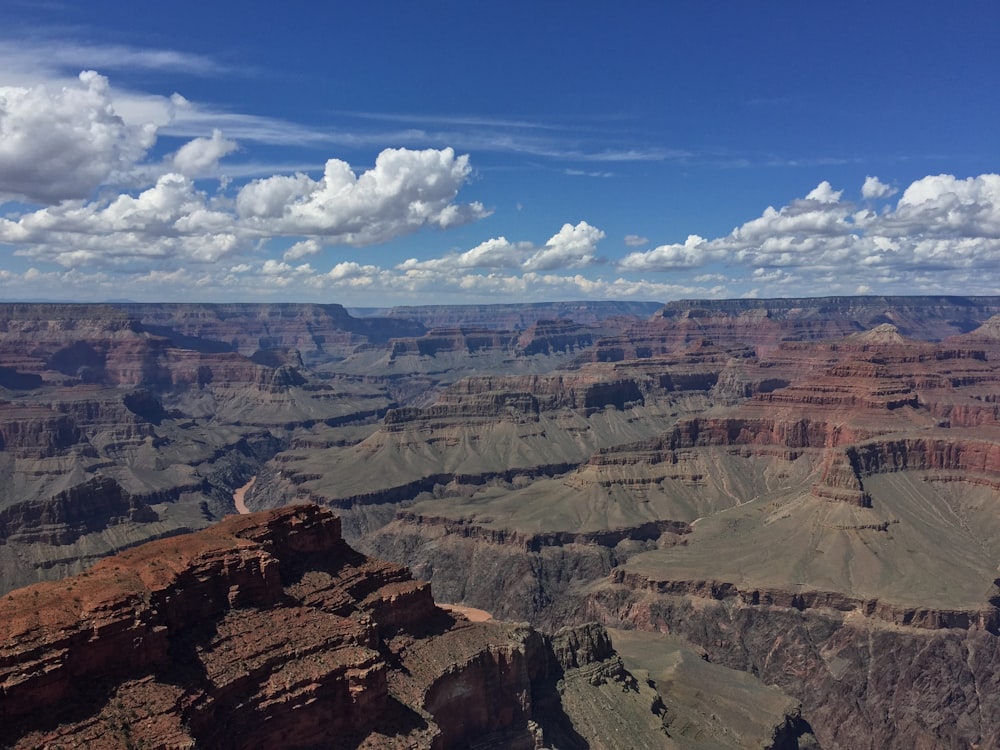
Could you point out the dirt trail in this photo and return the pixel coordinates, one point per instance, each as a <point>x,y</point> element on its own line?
<point>240,493</point>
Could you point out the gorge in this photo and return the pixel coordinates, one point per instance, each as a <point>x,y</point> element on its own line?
<point>773,521</point>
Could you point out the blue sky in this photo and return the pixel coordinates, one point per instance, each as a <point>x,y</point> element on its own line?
<point>432,152</point>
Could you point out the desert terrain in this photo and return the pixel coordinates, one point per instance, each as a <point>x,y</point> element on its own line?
<point>736,523</point>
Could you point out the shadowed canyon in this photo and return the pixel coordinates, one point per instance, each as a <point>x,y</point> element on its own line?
<point>717,523</point>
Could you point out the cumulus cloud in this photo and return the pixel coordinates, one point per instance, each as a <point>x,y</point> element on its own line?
<point>571,247</point>
<point>824,193</point>
<point>940,223</point>
<point>492,254</point>
<point>173,221</point>
<point>946,206</point>
<point>406,190</point>
<point>875,188</point>
<point>694,252</point>
<point>302,249</point>
<point>59,143</point>
<point>201,155</point>
<point>819,244</point>
<point>152,226</point>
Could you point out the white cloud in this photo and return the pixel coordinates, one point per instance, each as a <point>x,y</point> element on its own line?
<point>350,270</point>
<point>33,59</point>
<point>875,188</point>
<point>174,222</point>
<point>940,223</point>
<point>492,254</point>
<point>64,141</point>
<point>406,190</point>
<point>201,155</point>
<point>571,247</point>
<point>302,249</point>
<point>59,143</point>
<point>171,220</point>
<point>693,253</point>
<point>947,206</point>
<point>824,193</point>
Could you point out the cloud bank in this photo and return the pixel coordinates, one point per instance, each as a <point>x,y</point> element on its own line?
<point>941,224</point>
<point>93,203</point>
<point>62,143</point>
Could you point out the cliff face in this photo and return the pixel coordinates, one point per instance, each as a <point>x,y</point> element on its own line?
<point>864,684</point>
<point>824,466</point>
<point>158,403</point>
<point>518,316</point>
<point>269,629</point>
<point>820,481</point>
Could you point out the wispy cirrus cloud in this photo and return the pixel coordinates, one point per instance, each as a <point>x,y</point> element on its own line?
<point>33,56</point>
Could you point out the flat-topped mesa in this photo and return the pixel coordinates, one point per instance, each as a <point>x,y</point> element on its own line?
<point>469,340</point>
<point>64,517</point>
<point>658,338</point>
<point>555,336</point>
<point>522,398</point>
<point>318,331</point>
<point>840,481</point>
<point>121,343</point>
<point>517,316</point>
<point>36,431</point>
<point>984,619</point>
<point>793,432</point>
<point>931,317</point>
<point>69,345</point>
<point>974,456</point>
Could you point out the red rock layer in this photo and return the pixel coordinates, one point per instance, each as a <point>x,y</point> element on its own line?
<point>264,630</point>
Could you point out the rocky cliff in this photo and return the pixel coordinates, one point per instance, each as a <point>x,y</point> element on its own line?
<point>516,316</point>
<point>270,630</point>
<point>804,489</point>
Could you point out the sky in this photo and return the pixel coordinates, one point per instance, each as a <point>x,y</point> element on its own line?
<point>390,153</point>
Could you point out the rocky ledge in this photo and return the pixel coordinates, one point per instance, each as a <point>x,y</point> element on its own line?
<point>268,629</point>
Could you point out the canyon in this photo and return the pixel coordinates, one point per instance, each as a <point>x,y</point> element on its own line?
<point>268,629</point>
<point>773,520</point>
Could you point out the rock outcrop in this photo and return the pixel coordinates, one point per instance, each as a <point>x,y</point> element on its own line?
<point>720,469</point>
<point>269,630</point>
<point>517,316</point>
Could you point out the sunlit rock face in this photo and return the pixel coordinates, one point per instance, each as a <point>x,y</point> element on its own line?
<point>714,471</point>
<point>268,628</point>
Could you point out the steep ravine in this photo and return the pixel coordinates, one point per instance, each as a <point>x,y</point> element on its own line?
<point>268,630</point>
<point>864,681</point>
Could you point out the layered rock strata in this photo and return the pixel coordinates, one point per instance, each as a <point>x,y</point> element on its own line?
<point>268,629</point>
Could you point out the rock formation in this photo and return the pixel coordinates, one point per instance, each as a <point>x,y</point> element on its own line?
<point>802,489</point>
<point>270,630</point>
